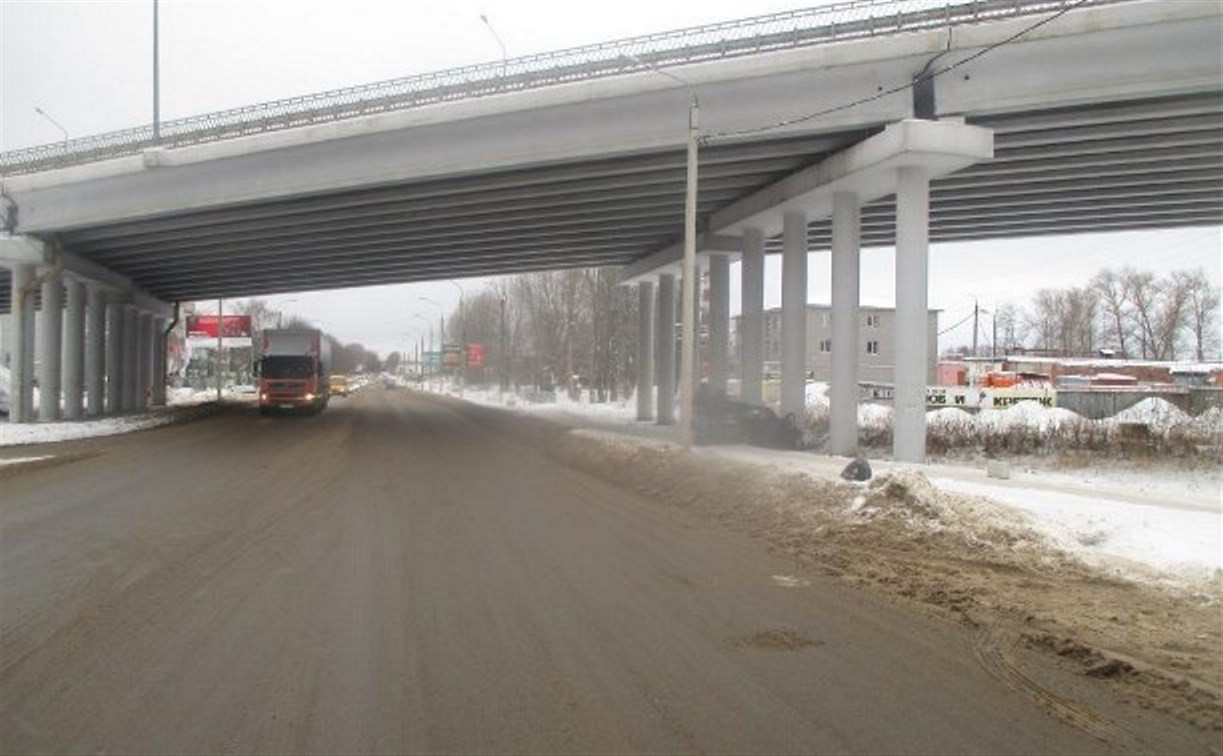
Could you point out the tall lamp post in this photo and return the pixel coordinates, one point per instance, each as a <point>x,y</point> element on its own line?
<point>687,362</point>
<point>54,123</point>
<point>428,358</point>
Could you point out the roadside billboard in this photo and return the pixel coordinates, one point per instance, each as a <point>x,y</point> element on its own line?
<point>475,355</point>
<point>206,326</point>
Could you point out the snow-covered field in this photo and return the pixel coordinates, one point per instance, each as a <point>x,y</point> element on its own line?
<point>1158,522</point>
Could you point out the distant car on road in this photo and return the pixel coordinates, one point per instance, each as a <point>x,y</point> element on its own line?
<point>338,385</point>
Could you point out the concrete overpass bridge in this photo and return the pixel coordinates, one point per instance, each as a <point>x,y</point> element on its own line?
<point>866,123</point>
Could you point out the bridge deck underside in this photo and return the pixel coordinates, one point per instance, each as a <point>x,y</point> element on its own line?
<point>1123,166</point>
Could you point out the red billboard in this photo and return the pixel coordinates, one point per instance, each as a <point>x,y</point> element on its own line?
<point>205,326</point>
<point>475,355</point>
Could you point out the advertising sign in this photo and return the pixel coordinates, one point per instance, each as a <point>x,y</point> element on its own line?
<point>205,326</point>
<point>475,355</point>
<point>434,359</point>
<point>453,355</point>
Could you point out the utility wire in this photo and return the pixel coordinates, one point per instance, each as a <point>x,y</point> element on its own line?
<point>959,323</point>
<point>887,92</point>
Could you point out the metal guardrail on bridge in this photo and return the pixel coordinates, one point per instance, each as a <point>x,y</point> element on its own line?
<point>792,29</point>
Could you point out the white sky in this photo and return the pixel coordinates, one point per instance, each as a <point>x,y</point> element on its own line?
<point>88,64</point>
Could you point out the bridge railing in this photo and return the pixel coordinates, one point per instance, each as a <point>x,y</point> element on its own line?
<point>853,19</point>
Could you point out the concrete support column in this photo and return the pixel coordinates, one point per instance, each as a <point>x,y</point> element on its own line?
<point>666,349</point>
<point>794,315</point>
<point>51,343</point>
<point>95,350</point>
<point>843,386</point>
<point>74,350</point>
<point>22,367</point>
<point>698,359</point>
<point>719,323</point>
<point>114,357</point>
<point>144,358</point>
<point>751,337</point>
<point>158,397</point>
<point>645,350</point>
<point>130,372</point>
<point>912,269</point>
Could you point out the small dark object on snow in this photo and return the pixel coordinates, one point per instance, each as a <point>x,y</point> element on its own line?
<point>1108,668</point>
<point>859,470</point>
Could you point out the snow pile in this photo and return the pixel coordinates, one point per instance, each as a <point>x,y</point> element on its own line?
<point>6,389</point>
<point>42,433</point>
<point>875,417</point>
<point>1159,415</point>
<point>1027,414</point>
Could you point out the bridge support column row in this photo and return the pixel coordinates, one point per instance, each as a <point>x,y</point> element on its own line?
<point>92,356</point>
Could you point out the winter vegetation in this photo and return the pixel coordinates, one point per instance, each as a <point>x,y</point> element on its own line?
<point>1132,313</point>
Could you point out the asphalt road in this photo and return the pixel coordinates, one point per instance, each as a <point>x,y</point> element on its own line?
<point>401,574</point>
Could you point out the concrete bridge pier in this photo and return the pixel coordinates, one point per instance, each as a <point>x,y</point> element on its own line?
<point>794,315</point>
<point>843,386</point>
<point>74,349</point>
<point>131,365</point>
<point>22,369</point>
<point>114,357</point>
<point>95,350</point>
<point>912,272</point>
<point>158,395</point>
<point>751,323</point>
<point>719,323</point>
<point>144,359</point>
<point>645,350</point>
<point>666,349</point>
<point>50,340</point>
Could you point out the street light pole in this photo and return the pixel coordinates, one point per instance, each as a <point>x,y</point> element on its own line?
<point>687,361</point>
<point>54,122</point>
<point>156,80</point>
<point>688,357</point>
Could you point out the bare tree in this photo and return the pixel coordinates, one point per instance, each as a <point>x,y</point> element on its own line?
<point>1008,327</point>
<point>1110,287</point>
<point>1203,314</point>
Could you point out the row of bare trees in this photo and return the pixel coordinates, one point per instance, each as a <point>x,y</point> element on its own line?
<point>1135,313</point>
<point>557,328</point>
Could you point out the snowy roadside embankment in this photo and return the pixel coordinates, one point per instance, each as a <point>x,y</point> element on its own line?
<point>23,434</point>
<point>1160,524</point>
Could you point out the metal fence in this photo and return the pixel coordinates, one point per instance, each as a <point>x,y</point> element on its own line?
<point>779,31</point>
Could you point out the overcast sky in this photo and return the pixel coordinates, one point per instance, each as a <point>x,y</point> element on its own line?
<point>88,65</point>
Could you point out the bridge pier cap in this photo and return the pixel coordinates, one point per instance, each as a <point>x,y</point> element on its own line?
<point>867,169</point>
